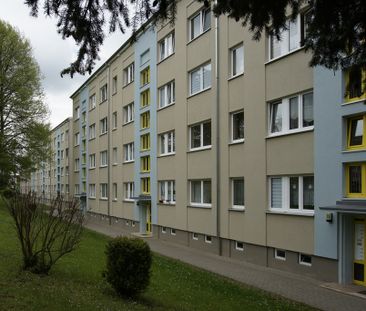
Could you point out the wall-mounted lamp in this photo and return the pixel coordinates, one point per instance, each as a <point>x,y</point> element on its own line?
<point>329,217</point>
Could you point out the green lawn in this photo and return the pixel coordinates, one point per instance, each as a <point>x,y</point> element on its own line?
<point>75,283</point>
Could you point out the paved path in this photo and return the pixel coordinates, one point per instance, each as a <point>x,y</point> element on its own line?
<point>291,286</point>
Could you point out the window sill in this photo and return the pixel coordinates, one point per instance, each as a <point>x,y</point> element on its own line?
<point>200,149</point>
<point>203,206</point>
<point>114,200</point>
<point>128,201</point>
<point>102,166</point>
<point>127,84</point>
<point>166,155</point>
<point>363,149</point>
<point>240,210</point>
<point>165,58</point>
<point>354,101</point>
<point>166,106</point>
<point>236,76</point>
<point>127,123</point>
<point>114,164</point>
<point>237,142</point>
<point>113,129</point>
<point>103,199</point>
<point>103,101</point>
<point>102,134</point>
<point>166,204</point>
<point>303,130</point>
<point>91,109</point>
<point>90,139</point>
<point>199,92</point>
<point>92,198</point>
<point>284,55</point>
<point>91,168</point>
<point>76,119</point>
<point>200,35</point>
<point>291,213</point>
<point>127,162</point>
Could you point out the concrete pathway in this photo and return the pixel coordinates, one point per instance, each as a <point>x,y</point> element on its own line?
<point>292,286</point>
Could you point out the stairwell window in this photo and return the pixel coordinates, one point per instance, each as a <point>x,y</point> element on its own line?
<point>145,120</point>
<point>199,23</point>
<point>200,193</point>
<point>145,142</point>
<point>167,143</point>
<point>356,132</point>
<point>200,136</point>
<point>145,76</point>
<point>166,46</point>
<point>355,84</point>
<point>293,114</point>
<point>200,79</point>
<point>128,74</point>
<point>145,98</point>
<point>237,60</point>
<point>103,93</point>
<point>167,94</point>
<point>356,180</point>
<point>145,185</point>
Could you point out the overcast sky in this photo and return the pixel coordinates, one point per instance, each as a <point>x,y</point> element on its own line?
<point>53,54</point>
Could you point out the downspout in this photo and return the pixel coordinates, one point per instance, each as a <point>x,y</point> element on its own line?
<point>217,134</point>
<point>109,120</point>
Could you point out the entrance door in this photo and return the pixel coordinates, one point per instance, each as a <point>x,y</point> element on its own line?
<point>359,261</point>
<point>148,218</point>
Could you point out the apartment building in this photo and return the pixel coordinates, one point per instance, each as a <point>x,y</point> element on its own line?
<point>53,176</point>
<point>197,134</point>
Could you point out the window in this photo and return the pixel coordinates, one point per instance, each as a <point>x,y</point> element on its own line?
<point>200,79</point>
<point>145,98</point>
<point>92,131</point>
<point>355,82</point>
<point>129,191</point>
<point>356,180</point>
<point>200,136</point>
<point>92,102</point>
<point>115,156</point>
<point>91,190</point>
<point>129,74</point>
<point>92,160</point>
<point>103,126</point>
<point>237,60</point>
<point>114,85</point>
<point>145,142</point>
<point>83,117</point>
<point>145,164</point>
<point>290,38</point>
<point>115,196</point>
<point>292,194</point>
<point>145,185</point>
<point>199,23</point>
<point>66,170</point>
<point>167,192</point>
<point>292,114</point>
<point>280,254</point>
<point>128,113</point>
<point>238,193</point>
<point>77,139</point>
<point>144,57</point>
<point>103,158</point>
<point>167,94</point>
<point>62,137</point>
<point>172,231</point>
<point>114,120</point>
<point>104,191</point>
<point>103,93</point>
<point>62,154</point>
<point>356,132</point>
<point>166,46</point>
<point>167,143</point>
<point>145,76</point>
<point>194,236</point>
<point>77,112</point>
<point>62,171</point>
<point>145,120</point>
<point>237,127</point>
<point>128,152</point>
<point>76,188</point>
<point>201,192</point>
<point>208,239</point>
<point>163,230</point>
<point>305,259</point>
<point>239,246</point>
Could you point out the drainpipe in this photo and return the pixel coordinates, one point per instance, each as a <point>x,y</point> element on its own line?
<point>109,144</point>
<point>217,133</point>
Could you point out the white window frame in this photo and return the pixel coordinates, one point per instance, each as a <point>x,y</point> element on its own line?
<point>163,230</point>
<point>195,236</point>
<point>129,191</point>
<point>77,112</point>
<point>114,120</point>
<point>103,126</point>
<point>304,263</point>
<point>232,51</point>
<point>129,74</point>
<point>103,93</point>
<point>237,207</point>
<point>114,191</point>
<point>202,72</point>
<point>92,102</point>
<point>92,133</point>
<point>164,90</point>
<point>173,231</point>
<point>103,188</point>
<point>164,143</point>
<point>239,140</point>
<point>114,85</point>
<point>128,113</point>
<point>285,115</point>
<point>202,22</point>
<point>285,196</point>
<point>76,164</point>
<point>92,160</point>
<point>115,155</point>
<point>279,257</point>
<point>76,188</point>
<point>167,46</point>
<point>166,184</point>
<point>92,191</point>
<point>104,158</point>
<point>238,247</point>
<point>77,139</point>
<point>128,152</point>
<point>201,147</point>
<point>208,239</point>
<point>199,204</point>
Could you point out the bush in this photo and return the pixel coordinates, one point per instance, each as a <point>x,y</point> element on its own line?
<point>128,265</point>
